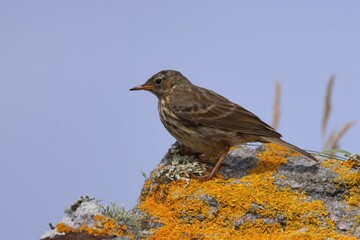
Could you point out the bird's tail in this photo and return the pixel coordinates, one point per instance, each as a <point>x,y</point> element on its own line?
<point>289,145</point>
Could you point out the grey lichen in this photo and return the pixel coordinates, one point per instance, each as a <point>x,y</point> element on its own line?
<point>131,218</point>
<point>77,204</point>
<point>80,213</point>
<point>180,168</point>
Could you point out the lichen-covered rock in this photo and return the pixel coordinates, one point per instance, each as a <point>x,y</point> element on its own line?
<point>259,193</point>
<point>90,220</point>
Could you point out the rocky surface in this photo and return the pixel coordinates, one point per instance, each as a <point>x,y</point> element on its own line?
<point>259,193</point>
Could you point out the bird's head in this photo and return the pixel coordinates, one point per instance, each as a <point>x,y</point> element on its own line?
<point>163,83</point>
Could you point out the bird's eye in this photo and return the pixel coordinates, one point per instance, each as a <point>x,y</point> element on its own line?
<point>158,81</point>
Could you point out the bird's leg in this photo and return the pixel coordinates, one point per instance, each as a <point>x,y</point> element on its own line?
<point>216,168</point>
<point>207,159</point>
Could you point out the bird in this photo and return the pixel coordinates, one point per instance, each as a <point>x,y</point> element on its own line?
<point>206,122</point>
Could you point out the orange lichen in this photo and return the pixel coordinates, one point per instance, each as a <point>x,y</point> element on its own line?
<point>62,228</point>
<point>103,226</point>
<point>349,177</point>
<point>232,149</point>
<point>187,212</point>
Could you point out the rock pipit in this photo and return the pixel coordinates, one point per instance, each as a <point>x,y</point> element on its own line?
<point>205,121</point>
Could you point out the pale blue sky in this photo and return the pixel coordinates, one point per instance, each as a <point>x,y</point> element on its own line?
<point>69,126</point>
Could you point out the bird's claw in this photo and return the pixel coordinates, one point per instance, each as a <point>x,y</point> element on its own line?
<point>202,178</point>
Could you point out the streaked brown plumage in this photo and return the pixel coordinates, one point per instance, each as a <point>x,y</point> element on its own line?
<point>205,121</point>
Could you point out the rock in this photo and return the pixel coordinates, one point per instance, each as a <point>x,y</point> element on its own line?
<point>88,219</point>
<point>258,193</point>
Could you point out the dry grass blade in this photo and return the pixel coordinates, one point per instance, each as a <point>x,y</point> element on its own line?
<point>329,140</point>
<point>276,106</point>
<point>327,107</point>
<point>341,133</point>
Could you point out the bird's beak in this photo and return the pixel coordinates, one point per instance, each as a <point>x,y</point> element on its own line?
<point>142,87</point>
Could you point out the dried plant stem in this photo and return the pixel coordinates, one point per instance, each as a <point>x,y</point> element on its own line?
<point>330,139</point>
<point>340,134</point>
<point>276,106</point>
<point>327,107</point>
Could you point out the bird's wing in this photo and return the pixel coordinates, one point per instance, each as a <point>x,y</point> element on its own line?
<point>208,108</point>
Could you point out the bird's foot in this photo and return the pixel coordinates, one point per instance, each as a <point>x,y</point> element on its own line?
<point>203,178</point>
<point>215,169</point>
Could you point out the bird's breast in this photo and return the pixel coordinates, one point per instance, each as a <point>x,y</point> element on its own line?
<point>168,117</point>
<point>198,138</point>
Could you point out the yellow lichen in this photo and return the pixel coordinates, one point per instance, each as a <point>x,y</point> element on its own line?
<point>349,177</point>
<point>186,213</point>
<point>62,228</point>
<point>103,226</point>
